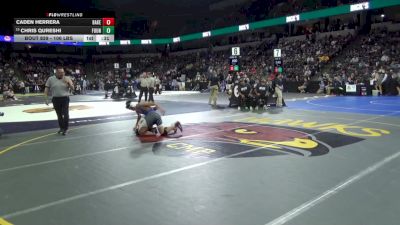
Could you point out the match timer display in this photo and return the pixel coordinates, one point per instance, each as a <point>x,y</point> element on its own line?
<point>64,27</point>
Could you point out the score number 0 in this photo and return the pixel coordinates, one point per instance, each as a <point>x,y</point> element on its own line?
<point>108,21</point>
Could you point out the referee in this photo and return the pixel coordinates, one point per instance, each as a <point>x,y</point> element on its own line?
<point>151,83</point>
<point>278,90</point>
<point>214,85</point>
<point>59,86</point>
<point>143,87</point>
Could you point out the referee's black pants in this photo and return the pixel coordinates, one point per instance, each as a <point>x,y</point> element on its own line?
<point>145,91</point>
<point>151,96</point>
<point>61,105</point>
<point>158,89</point>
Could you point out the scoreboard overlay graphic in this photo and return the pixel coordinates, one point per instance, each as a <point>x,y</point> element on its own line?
<point>65,27</point>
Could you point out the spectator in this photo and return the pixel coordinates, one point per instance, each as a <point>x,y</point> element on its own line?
<point>321,88</point>
<point>303,87</point>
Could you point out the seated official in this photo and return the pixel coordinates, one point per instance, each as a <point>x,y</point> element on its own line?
<point>261,94</point>
<point>244,95</point>
<point>304,86</point>
<point>321,88</point>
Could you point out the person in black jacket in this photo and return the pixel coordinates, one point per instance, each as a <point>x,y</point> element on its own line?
<point>244,95</point>
<point>261,93</point>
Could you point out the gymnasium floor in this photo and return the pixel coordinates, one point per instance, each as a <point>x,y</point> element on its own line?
<point>321,160</point>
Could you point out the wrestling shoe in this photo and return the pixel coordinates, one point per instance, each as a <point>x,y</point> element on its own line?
<point>128,104</point>
<point>179,126</point>
<point>154,130</point>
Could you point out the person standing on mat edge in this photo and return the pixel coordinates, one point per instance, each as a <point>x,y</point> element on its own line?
<point>60,85</point>
<point>279,89</point>
<point>143,87</point>
<point>214,85</point>
<point>158,85</point>
<point>151,83</point>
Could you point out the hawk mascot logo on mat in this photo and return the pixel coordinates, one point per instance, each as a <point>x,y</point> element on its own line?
<point>236,139</point>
